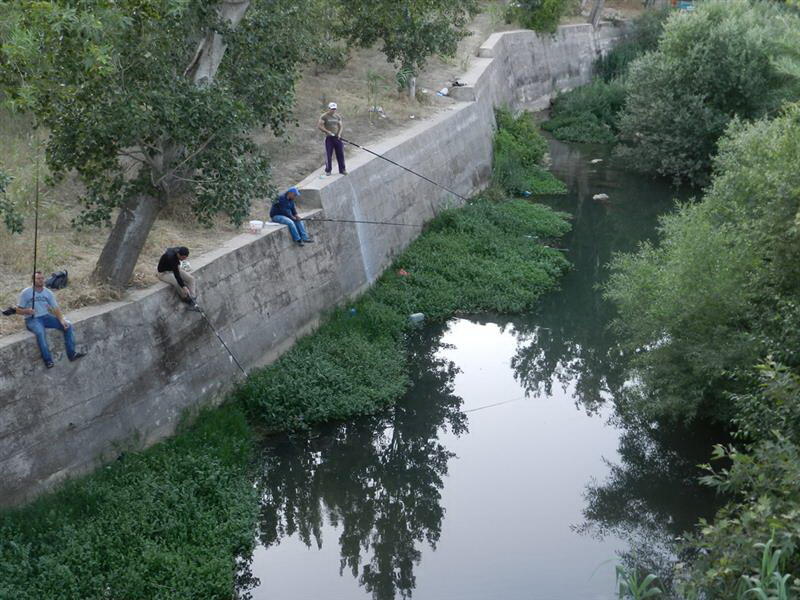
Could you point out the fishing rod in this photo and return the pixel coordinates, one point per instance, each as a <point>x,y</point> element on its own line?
<point>456,194</point>
<point>221,341</point>
<point>35,232</point>
<point>368,222</point>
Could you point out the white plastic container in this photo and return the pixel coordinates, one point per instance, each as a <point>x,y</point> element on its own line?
<point>416,317</point>
<point>256,226</point>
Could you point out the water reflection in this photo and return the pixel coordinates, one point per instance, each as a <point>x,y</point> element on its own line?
<point>652,495</point>
<point>377,484</point>
<point>377,479</point>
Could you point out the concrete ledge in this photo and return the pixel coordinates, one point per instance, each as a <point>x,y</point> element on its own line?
<point>150,361</point>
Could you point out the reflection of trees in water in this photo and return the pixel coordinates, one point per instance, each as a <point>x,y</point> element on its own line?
<point>569,341</point>
<point>652,495</point>
<point>378,479</point>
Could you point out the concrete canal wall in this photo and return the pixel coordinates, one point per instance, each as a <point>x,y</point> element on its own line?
<point>149,361</point>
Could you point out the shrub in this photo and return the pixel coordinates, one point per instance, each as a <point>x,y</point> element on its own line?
<point>721,289</point>
<point>588,113</point>
<point>643,37</point>
<point>765,484</point>
<point>539,15</point>
<point>724,59</point>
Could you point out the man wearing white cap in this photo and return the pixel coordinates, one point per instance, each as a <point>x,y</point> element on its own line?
<point>330,124</point>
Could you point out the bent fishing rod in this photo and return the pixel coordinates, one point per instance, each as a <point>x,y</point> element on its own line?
<point>221,341</point>
<point>446,189</point>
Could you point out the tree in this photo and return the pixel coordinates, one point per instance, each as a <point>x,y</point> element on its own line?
<point>723,60</point>
<point>141,105</point>
<point>410,30</point>
<point>722,287</point>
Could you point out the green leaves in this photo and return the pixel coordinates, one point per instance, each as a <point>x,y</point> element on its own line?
<point>410,31</point>
<point>720,290</point>
<point>711,65</point>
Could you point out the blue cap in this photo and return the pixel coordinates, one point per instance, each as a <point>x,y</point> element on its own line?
<point>293,189</point>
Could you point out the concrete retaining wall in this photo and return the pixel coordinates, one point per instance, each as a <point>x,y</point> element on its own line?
<point>149,360</point>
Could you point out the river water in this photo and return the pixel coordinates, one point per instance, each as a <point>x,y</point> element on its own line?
<point>501,474</point>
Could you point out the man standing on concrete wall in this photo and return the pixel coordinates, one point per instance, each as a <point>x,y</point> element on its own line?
<point>42,312</point>
<point>283,211</point>
<point>169,271</point>
<point>330,123</point>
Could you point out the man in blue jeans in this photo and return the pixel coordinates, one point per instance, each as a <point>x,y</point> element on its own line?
<point>41,312</point>
<point>284,211</point>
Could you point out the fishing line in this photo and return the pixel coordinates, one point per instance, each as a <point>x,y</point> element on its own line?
<point>457,195</point>
<point>495,404</point>
<point>368,222</point>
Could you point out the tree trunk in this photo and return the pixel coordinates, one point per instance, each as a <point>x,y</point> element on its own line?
<point>597,12</point>
<point>118,259</point>
<point>412,88</point>
<point>135,220</point>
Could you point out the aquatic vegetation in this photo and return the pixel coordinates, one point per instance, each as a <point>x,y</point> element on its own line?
<point>487,256</point>
<point>520,156</point>
<point>165,523</point>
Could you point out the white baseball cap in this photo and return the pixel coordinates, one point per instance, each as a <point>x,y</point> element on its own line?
<point>332,105</point>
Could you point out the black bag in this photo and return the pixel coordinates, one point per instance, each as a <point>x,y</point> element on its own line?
<point>57,280</point>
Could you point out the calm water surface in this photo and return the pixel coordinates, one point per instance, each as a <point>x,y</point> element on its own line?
<point>495,474</point>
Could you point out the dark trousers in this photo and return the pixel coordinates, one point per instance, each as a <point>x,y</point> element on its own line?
<point>333,143</point>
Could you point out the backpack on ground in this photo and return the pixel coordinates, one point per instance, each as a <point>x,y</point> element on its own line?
<point>57,280</point>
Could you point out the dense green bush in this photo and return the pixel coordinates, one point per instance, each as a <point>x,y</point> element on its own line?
<point>643,37</point>
<point>723,286</point>
<point>166,523</point>
<point>588,113</point>
<point>483,257</point>
<point>520,153</point>
<point>722,60</point>
<point>539,15</point>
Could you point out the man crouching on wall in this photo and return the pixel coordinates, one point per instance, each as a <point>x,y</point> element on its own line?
<point>41,311</point>
<point>170,272</point>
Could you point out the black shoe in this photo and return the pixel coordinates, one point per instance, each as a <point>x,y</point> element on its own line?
<point>343,173</point>
<point>10,311</point>
<point>299,242</point>
<point>308,241</point>
<point>50,364</point>
<point>76,356</point>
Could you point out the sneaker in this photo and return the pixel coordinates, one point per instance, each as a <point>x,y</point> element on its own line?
<point>327,174</point>
<point>343,173</point>
<point>308,241</point>
<point>77,355</point>
<point>299,242</point>
<point>50,364</point>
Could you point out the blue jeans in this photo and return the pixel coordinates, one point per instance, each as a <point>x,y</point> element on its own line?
<point>37,325</point>
<point>296,228</point>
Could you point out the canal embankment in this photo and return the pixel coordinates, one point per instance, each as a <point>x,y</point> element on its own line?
<point>149,364</point>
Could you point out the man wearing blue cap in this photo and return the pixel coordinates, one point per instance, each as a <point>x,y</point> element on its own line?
<point>283,211</point>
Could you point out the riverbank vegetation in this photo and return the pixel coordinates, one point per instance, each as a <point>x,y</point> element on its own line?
<point>170,522</point>
<point>722,61</point>
<point>711,315</point>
